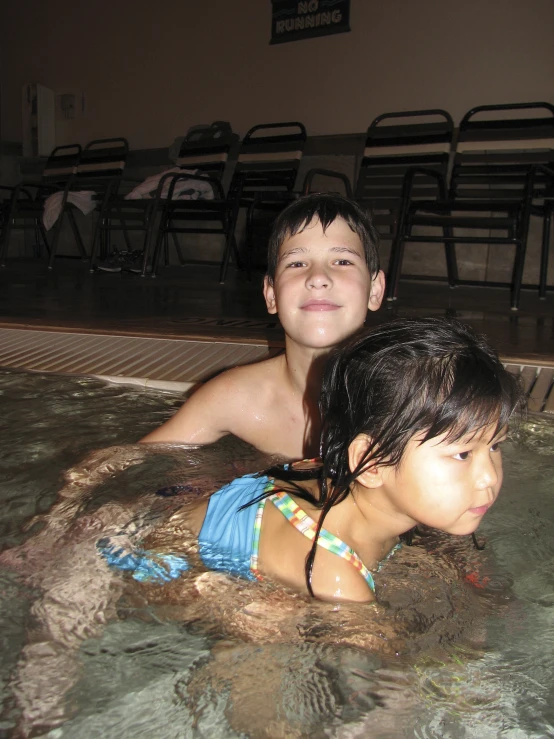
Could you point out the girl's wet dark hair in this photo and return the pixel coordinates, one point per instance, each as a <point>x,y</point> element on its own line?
<point>325,208</point>
<point>407,378</point>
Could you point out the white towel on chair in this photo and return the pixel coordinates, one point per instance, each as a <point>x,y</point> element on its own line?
<point>82,199</point>
<point>184,189</point>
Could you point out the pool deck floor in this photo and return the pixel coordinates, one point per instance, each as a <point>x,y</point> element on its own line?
<point>187,304</point>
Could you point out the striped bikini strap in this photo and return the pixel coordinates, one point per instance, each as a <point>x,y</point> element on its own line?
<point>308,527</point>
<point>254,555</point>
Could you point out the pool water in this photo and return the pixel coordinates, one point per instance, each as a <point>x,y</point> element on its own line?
<point>460,645</point>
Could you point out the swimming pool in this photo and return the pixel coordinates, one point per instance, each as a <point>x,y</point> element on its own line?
<point>90,655</point>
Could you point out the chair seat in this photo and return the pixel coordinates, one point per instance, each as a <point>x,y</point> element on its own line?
<point>455,221</point>
<point>272,202</point>
<point>30,208</point>
<point>268,196</point>
<point>197,210</point>
<point>540,209</point>
<point>201,205</point>
<point>449,206</point>
<point>142,204</point>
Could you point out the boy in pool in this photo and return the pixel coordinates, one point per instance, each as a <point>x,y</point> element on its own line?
<point>323,275</point>
<point>414,414</point>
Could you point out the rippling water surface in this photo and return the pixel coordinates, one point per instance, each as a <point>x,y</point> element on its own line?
<point>460,645</point>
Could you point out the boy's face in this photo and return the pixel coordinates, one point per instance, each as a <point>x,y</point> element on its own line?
<point>322,288</point>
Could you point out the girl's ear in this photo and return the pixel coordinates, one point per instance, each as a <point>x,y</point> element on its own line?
<point>372,476</point>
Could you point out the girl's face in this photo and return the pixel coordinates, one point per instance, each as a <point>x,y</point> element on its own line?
<point>446,485</point>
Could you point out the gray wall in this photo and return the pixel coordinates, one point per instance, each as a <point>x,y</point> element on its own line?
<point>149,71</point>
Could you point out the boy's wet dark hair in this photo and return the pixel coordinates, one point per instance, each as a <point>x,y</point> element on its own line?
<point>325,208</point>
<point>407,378</point>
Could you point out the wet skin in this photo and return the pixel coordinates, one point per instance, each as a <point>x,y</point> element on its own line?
<point>322,288</point>
<point>322,291</point>
<point>443,484</point>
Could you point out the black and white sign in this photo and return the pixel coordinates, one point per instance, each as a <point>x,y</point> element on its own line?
<point>294,20</point>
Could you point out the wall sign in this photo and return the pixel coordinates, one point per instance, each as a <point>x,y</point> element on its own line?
<point>294,20</point>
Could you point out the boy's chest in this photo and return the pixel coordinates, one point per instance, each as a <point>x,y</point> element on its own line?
<point>286,428</point>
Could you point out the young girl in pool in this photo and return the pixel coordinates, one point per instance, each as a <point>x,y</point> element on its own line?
<point>414,414</point>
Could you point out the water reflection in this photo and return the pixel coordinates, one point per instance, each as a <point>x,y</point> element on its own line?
<point>460,644</point>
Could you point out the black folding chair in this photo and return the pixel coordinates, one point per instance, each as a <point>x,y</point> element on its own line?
<point>499,175</point>
<point>203,158</point>
<point>100,170</point>
<point>317,179</point>
<point>24,208</point>
<point>264,178</point>
<point>396,143</point>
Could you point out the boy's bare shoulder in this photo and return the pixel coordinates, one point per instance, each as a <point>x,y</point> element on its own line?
<point>228,403</point>
<point>249,379</point>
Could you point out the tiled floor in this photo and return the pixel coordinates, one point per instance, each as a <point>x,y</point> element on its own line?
<point>189,302</point>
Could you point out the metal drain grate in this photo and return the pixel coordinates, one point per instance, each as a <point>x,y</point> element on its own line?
<point>179,363</point>
<point>538,383</point>
<point>155,362</point>
<point>227,322</point>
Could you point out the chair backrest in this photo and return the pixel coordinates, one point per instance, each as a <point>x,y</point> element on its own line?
<point>206,148</point>
<point>268,160</point>
<point>102,162</point>
<point>496,147</point>
<point>61,165</point>
<point>394,143</point>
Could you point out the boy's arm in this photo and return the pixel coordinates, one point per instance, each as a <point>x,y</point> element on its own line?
<point>206,416</point>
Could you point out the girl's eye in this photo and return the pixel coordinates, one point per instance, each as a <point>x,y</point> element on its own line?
<point>343,262</point>
<point>462,456</point>
<point>496,447</point>
<point>296,264</point>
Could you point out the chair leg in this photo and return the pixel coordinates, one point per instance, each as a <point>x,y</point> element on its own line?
<point>395,266</point>
<point>38,242</point>
<point>128,242</point>
<point>229,225</point>
<point>249,240</point>
<point>236,251</point>
<point>520,241</point>
<point>77,234</point>
<point>10,221</point>
<point>177,246</point>
<point>96,245</point>
<point>44,236</point>
<point>3,229</point>
<point>544,253</point>
<point>451,263</point>
<point>121,218</point>
<point>157,250</point>
<point>517,277</point>
<point>150,221</point>
<point>4,244</point>
<point>55,239</point>
<point>107,238</point>
<point>146,254</point>
<point>230,246</point>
